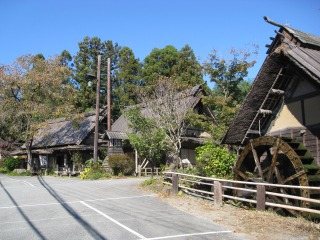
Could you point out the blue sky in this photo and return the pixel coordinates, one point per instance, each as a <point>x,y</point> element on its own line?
<point>48,27</point>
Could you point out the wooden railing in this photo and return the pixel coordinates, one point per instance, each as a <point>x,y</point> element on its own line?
<point>218,188</point>
<point>148,171</point>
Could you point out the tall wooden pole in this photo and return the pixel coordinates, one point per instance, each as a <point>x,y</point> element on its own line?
<point>109,97</point>
<point>96,130</point>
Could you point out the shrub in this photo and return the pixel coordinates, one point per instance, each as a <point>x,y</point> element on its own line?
<point>76,158</point>
<point>93,171</point>
<point>215,161</point>
<point>11,163</point>
<point>121,164</point>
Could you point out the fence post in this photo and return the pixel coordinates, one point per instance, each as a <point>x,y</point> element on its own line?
<point>261,197</point>
<point>139,170</point>
<point>217,191</point>
<point>175,183</point>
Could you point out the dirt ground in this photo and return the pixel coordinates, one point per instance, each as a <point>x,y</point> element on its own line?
<point>250,224</point>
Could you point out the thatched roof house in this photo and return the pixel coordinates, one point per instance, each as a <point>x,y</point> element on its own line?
<point>191,99</point>
<point>288,84</point>
<point>57,140</point>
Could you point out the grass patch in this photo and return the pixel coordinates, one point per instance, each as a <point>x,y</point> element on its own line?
<point>14,173</point>
<point>154,185</point>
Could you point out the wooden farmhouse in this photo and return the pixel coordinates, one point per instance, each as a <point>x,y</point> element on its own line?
<point>277,128</point>
<point>285,97</point>
<point>58,140</point>
<point>192,138</point>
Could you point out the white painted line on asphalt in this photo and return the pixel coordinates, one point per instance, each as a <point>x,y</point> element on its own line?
<point>188,235</point>
<point>68,202</point>
<point>30,184</point>
<point>114,221</point>
<point>25,182</point>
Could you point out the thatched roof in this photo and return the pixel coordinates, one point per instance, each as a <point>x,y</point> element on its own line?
<point>61,132</point>
<point>190,98</point>
<point>290,51</point>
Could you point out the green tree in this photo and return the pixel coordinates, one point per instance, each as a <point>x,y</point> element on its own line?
<point>85,62</point>
<point>128,80</point>
<point>147,138</point>
<point>65,58</point>
<point>181,65</point>
<point>188,70</point>
<point>33,90</point>
<point>228,74</point>
<point>230,87</point>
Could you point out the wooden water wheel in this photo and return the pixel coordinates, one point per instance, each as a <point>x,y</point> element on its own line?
<point>279,161</point>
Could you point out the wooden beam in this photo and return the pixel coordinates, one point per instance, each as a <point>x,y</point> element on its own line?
<point>277,91</point>
<point>273,161</point>
<point>298,174</point>
<point>265,111</point>
<point>253,132</point>
<point>257,161</point>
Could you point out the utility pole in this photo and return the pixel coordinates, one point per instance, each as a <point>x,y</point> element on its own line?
<point>109,97</point>
<point>96,130</point>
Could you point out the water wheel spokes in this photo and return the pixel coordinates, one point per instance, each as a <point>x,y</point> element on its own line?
<point>272,160</point>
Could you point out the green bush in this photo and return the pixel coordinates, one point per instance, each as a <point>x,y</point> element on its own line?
<point>11,163</point>
<point>93,171</point>
<point>214,161</point>
<point>121,164</point>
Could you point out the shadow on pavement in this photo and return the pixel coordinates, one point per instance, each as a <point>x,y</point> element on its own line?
<point>88,227</point>
<point>39,234</point>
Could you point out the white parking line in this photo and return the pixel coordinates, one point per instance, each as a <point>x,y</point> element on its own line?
<point>25,182</point>
<point>30,184</point>
<point>188,235</point>
<point>68,202</point>
<point>114,221</point>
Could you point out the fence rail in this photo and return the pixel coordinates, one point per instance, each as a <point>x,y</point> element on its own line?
<point>148,171</point>
<point>219,189</point>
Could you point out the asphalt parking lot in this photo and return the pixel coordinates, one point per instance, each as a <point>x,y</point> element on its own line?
<point>69,208</point>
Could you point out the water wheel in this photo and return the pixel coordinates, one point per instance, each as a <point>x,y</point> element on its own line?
<point>279,161</point>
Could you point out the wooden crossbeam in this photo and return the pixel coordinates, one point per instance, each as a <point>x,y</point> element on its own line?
<point>277,91</point>
<point>265,111</point>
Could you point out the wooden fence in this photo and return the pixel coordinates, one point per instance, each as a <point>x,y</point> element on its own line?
<point>218,187</point>
<point>148,171</point>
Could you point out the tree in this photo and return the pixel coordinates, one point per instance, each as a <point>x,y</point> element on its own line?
<point>188,70</point>
<point>230,87</point>
<point>169,62</point>
<point>128,80</point>
<point>168,109</point>
<point>228,74</point>
<point>147,138</point>
<point>85,62</point>
<point>159,62</point>
<point>33,90</point>
<point>65,58</point>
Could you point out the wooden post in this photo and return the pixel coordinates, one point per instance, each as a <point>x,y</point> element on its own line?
<point>139,170</point>
<point>175,183</point>
<point>96,129</point>
<point>136,161</point>
<point>145,172</point>
<point>157,173</point>
<point>218,199</point>
<point>261,197</point>
<point>109,97</point>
